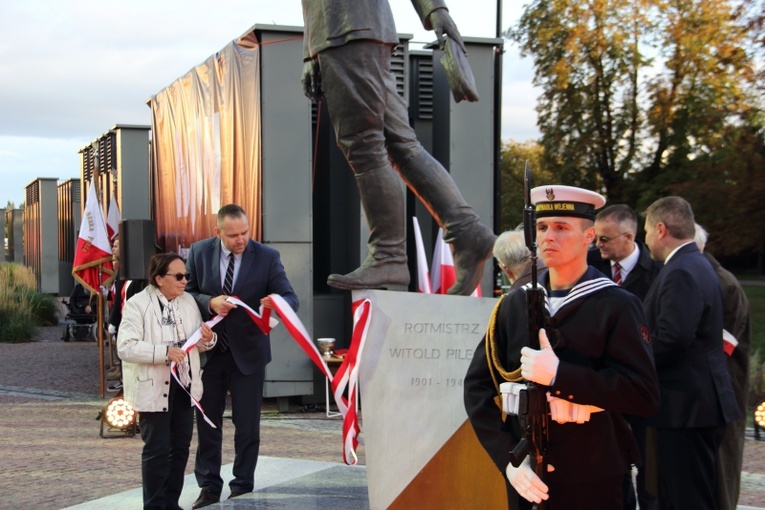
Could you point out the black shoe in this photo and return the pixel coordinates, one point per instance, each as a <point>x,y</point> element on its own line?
<point>235,494</point>
<point>206,498</point>
<point>114,387</point>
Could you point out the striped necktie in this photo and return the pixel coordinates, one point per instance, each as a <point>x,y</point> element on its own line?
<point>228,287</point>
<point>617,274</point>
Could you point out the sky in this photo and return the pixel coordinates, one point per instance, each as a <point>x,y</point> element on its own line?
<point>72,69</point>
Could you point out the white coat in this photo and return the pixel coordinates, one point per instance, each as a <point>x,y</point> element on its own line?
<point>142,343</point>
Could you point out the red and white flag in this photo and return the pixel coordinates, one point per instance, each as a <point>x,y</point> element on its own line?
<point>92,265</point>
<point>423,276</point>
<point>113,217</point>
<point>442,272</point>
<point>729,342</point>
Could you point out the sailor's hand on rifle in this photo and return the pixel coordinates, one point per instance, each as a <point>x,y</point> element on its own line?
<point>526,482</point>
<point>539,366</point>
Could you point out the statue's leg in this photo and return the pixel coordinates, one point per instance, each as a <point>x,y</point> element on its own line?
<point>471,241</point>
<point>355,92</point>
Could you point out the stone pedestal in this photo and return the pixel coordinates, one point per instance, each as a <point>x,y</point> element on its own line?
<point>421,451</point>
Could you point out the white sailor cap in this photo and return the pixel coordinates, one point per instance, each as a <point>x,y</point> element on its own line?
<point>557,200</point>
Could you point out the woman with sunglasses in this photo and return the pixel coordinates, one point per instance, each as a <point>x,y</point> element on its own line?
<point>156,323</point>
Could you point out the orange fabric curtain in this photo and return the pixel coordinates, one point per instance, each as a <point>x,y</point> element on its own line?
<point>206,146</point>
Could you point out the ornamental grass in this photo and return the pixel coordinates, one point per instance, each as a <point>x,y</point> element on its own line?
<point>22,307</point>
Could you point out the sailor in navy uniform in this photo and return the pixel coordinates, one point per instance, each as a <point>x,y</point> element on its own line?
<point>595,359</point>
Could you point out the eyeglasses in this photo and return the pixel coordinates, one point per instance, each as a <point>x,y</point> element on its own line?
<point>604,239</point>
<point>180,276</point>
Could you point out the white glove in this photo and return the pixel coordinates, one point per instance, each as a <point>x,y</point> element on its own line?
<point>111,329</point>
<point>563,411</point>
<point>526,482</point>
<point>539,366</point>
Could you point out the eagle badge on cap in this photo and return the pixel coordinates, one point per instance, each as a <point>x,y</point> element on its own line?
<point>550,194</point>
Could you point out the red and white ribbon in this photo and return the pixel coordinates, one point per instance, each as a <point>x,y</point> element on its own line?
<point>346,378</point>
<point>347,375</point>
<point>264,321</point>
<point>190,344</point>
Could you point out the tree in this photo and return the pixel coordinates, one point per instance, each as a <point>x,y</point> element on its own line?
<point>514,158</point>
<point>587,61</point>
<point>645,98</point>
<point>704,88</point>
<point>726,188</point>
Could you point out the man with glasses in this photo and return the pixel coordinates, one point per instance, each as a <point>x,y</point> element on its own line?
<point>232,264</point>
<point>628,262</point>
<point>623,258</point>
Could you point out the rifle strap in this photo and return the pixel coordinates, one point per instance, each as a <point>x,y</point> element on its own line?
<point>492,355</point>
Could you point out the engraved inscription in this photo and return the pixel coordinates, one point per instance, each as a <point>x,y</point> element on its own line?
<point>443,328</point>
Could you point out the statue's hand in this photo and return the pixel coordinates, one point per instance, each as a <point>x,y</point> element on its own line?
<point>443,23</point>
<point>311,80</point>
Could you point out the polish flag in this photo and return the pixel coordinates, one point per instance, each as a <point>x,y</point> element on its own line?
<point>729,342</point>
<point>442,272</point>
<point>423,277</point>
<point>113,219</point>
<point>92,265</point>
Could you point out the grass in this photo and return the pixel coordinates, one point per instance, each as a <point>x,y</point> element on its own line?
<point>756,296</point>
<point>22,307</point>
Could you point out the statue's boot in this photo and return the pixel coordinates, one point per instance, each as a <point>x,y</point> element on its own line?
<point>385,266</point>
<point>471,241</point>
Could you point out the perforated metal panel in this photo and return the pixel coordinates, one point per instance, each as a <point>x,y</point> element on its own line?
<point>41,233</point>
<point>69,219</point>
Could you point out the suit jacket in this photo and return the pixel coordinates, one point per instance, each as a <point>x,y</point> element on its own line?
<point>684,312</point>
<point>261,273</point>
<point>331,23</point>
<point>639,280</point>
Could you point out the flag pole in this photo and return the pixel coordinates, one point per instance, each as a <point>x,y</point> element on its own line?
<point>100,329</point>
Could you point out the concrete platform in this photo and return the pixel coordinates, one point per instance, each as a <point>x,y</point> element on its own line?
<point>279,484</point>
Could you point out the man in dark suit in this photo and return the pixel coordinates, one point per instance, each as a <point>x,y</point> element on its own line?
<point>685,315</point>
<point>628,262</point>
<point>232,264</point>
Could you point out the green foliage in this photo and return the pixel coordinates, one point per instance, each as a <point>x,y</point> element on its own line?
<point>646,98</point>
<point>43,308</point>
<point>16,327</point>
<point>514,157</point>
<point>587,58</point>
<point>22,307</point>
<point>726,186</point>
<point>756,296</point>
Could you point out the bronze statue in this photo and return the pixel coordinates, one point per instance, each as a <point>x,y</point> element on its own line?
<point>348,46</point>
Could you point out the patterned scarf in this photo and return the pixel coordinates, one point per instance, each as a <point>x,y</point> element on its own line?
<point>171,316</point>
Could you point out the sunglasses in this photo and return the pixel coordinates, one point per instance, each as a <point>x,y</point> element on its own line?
<point>180,276</point>
<point>604,239</point>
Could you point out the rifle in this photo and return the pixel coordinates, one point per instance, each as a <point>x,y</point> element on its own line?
<point>533,411</point>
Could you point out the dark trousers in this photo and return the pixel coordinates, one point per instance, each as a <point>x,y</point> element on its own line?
<point>601,494</point>
<point>166,439</point>
<point>645,500</point>
<point>221,375</point>
<point>688,467</point>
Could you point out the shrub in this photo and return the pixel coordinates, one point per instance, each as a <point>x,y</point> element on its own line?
<point>16,327</point>
<point>22,307</point>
